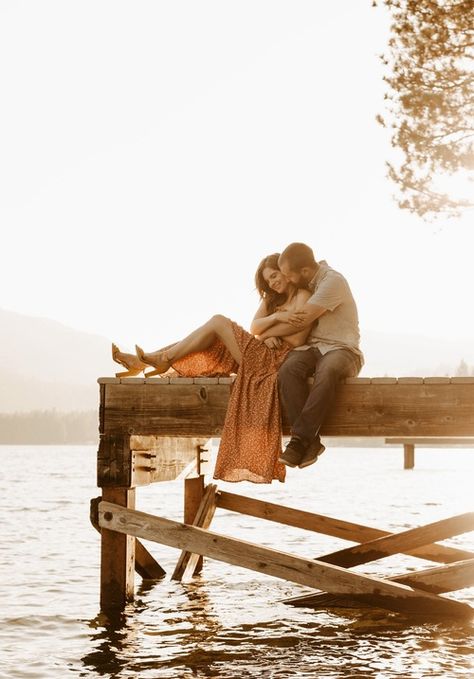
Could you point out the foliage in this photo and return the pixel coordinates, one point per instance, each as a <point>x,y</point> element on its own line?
<point>430,102</point>
<point>49,427</point>
<point>463,369</point>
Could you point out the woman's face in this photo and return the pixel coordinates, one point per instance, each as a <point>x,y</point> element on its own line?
<point>275,279</point>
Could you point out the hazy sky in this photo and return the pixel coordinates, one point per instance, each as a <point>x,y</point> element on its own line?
<point>151,153</point>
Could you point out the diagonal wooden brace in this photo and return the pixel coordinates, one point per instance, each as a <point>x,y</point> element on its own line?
<point>145,564</point>
<point>435,580</point>
<point>316,574</point>
<point>327,525</point>
<point>400,542</point>
<point>188,562</point>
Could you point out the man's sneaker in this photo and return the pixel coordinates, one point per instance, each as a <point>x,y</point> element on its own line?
<point>293,453</point>
<point>313,451</point>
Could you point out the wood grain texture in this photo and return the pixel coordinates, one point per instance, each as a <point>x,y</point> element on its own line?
<point>145,564</point>
<point>447,441</point>
<point>333,579</point>
<point>437,580</point>
<point>327,525</point>
<point>114,461</point>
<point>131,461</point>
<point>188,563</point>
<point>117,555</point>
<point>401,542</point>
<point>373,408</point>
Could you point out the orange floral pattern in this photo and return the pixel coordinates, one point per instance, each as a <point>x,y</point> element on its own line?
<point>251,437</point>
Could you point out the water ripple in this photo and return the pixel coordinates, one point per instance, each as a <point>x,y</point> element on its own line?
<point>229,622</point>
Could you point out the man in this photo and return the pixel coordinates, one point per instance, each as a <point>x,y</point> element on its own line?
<point>331,354</point>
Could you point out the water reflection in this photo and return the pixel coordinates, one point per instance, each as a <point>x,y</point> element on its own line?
<point>229,622</point>
<point>177,630</point>
<point>114,640</point>
<point>145,638</point>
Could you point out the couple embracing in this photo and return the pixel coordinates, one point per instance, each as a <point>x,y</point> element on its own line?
<point>305,326</point>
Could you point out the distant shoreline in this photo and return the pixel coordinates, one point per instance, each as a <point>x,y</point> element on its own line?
<point>49,427</point>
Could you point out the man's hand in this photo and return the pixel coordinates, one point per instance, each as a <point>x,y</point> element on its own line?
<point>298,318</point>
<point>273,342</point>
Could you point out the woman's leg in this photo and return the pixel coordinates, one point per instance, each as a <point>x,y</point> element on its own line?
<point>216,327</point>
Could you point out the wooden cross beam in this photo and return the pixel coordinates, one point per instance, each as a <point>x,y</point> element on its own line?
<point>145,564</point>
<point>380,406</point>
<point>436,580</point>
<point>316,574</point>
<point>400,542</point>
<point>329,526</point>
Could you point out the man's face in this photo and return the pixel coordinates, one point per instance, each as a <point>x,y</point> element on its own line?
<point>295,277</point>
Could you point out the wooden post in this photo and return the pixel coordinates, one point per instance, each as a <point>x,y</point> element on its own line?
<point>117,558</point>
<point>145,564</point>
<point>193,495</point>
<point>408,455</point>
<point>188,562</point>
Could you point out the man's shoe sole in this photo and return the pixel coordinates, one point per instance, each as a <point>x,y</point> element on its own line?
<point>287,463</point>
<point>314,458</point>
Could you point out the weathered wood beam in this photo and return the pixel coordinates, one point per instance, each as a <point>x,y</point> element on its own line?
<point>364,407</point>
<point>117,555</point>
<point>438,441</point>
<point>441,579</point>
<point>114,462</point>
<point>436,580</point>
<point>326,525</point>
<point>188,563</point>
<point>129,460</point>
<point>164,458</point>
<point>393,596</point>
<point>194,489</point>
<point>408,456</point>
<point>145,564</point>
<point>401,542</point>
<point>166,410</point>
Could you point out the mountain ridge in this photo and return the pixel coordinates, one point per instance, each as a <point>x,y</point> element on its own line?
<point>45,364</point>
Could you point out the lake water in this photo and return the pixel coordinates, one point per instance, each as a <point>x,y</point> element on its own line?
<point>229,622</point>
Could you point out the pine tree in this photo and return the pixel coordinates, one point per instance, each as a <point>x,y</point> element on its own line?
<point>462,370</point>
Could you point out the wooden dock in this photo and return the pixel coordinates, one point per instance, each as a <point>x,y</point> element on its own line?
<point>409,444</point>
<point>156,429</point>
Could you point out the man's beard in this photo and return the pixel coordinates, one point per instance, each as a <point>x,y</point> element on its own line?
<point>302,283</point>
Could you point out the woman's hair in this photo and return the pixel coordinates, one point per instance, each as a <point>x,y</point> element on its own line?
<point>272,298</point>
<point>298,256</point>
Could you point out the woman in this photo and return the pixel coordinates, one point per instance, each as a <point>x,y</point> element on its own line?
<point>251,436</point>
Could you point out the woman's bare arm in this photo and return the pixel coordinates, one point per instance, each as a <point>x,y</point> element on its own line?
<point>281,328</point>
<point>277,325</point>
<point>263,320</point>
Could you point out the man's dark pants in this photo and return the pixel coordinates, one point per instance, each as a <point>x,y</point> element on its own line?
<point>306,406</point>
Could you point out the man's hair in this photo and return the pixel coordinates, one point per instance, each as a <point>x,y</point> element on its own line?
<point>298,256</point>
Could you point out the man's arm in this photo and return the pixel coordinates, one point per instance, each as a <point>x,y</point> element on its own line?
<point>261,322</point>
<point>294,320</point>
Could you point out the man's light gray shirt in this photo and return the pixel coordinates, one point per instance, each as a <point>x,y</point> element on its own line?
<point>338,327</point>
